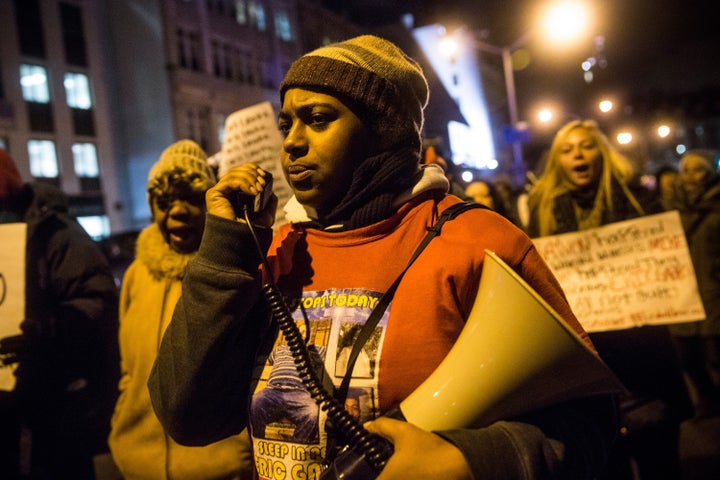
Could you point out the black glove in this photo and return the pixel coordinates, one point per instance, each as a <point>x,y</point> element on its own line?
<point>14,349</point>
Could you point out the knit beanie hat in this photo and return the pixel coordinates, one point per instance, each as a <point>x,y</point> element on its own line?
<point>373,74</point>
<point>184,160</point>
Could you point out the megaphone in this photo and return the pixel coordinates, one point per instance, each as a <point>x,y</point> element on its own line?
<point>514,355</point>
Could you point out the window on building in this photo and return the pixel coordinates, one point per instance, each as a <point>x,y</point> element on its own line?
<point>282,26</point>
<point>194,52</point>
<point>97,226</point>
<point>197,123</point>
<point>34,83</point>
<point>215,49</point>
<point>241,12</point>
<point>222,60</point>
<point>85,160</point>
<point>31,35</point>
<point>256,13</point>
<point>227,57</point>
<point>77,90</point>
<point>188,50</point>
<point>237,65</point>
<point>40,117</point>
<point>73,35</point>
<point>43,159</point>
<point>36,92</point>
<point>251,66</point>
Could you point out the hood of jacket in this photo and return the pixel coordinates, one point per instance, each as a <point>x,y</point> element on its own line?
<point>160,259</point>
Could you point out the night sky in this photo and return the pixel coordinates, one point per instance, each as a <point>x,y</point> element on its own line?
<point>650,45</point>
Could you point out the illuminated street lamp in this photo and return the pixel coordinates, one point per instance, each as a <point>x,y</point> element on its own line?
<point>561,21</point>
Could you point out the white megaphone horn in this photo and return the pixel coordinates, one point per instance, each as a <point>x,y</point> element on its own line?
<point>514,355</point>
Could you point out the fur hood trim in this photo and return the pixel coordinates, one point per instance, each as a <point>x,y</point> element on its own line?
<point>161,260</point>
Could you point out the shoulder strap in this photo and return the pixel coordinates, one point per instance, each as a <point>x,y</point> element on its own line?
<point>372,321</point>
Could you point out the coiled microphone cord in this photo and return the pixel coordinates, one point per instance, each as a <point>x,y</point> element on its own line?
<point>376,449</point>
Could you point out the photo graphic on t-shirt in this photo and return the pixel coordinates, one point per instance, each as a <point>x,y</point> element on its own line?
<point>287,426</point>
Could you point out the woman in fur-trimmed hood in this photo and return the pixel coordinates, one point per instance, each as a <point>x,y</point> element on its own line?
<point>150,289</point>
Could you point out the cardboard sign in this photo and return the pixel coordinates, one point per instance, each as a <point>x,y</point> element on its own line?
<point>626,274</point>
<point>12,289</point>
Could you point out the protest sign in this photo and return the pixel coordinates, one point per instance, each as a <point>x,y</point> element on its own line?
<point>12,289</point>
<point>252,135</point>
<point>626,274</point>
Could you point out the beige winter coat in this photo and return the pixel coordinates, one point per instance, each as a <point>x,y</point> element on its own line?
<point>139,445</point>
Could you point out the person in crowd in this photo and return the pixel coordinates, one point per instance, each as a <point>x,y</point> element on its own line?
<point>665,179</point>
<point>698,201</point>
<point>56,418</point>
<point>509,197</point>
<point>351,117</point>
<point>587,183</point>
<point>521,202</point>
<point>151,286</point>
<point>485,192</point>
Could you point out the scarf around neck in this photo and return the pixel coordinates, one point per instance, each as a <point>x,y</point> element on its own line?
<point>374,185</point>
<point>425,178</point>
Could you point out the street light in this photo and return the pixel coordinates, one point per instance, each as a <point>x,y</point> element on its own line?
<point>560,22</point>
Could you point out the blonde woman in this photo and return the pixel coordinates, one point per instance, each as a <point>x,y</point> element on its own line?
<point>586,183</point>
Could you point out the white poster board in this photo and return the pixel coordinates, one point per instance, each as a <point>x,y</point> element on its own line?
<point>12,289</point>
<point>252,135</point>
<point>626,274</point>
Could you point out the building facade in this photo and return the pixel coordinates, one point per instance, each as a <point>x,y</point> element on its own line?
<point>92,91</point>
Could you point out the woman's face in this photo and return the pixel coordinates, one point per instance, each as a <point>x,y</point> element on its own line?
<point>480,193</point>
<point>693,172</point>
<point>180,215</point>
<point>324,142</point>
<point>580,158</point>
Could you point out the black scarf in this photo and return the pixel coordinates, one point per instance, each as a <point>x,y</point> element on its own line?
<point>375,183</point>
<point>564,210</point>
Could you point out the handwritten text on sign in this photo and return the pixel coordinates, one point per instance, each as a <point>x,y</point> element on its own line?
<point>12,288</point>
<point>626,274</point>
<point>252,135</point>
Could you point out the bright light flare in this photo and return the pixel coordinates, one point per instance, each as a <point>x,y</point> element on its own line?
<point>565,21</point>
<point>624,138</point>
<point>545,115</point>
<point>605,106</point>
<point>448,47</point>
<point>663,131</point>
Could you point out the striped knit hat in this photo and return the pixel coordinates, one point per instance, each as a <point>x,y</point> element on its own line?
<point>184,159</point>
<point>373,74</point>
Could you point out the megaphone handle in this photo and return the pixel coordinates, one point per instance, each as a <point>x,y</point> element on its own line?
<point>352,463</point>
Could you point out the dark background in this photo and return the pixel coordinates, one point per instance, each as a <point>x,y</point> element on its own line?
<point>652,47</point>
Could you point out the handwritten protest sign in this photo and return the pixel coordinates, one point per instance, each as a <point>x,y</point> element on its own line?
<point>626,274</point>
<point>12,289</point>
<point>252,135</point>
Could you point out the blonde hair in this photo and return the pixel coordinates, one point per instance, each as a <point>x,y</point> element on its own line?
<point>552,182</point>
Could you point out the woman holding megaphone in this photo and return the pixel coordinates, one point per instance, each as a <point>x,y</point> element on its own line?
<point>351,117</point>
